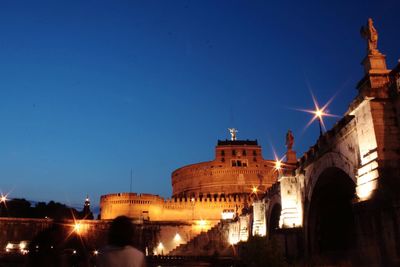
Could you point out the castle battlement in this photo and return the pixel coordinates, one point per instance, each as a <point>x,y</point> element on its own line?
<point>202,190</point>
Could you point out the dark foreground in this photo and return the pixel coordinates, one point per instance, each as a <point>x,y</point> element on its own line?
<point>17,260</point>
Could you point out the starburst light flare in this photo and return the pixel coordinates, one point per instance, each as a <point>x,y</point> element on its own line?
<point>319,112</point>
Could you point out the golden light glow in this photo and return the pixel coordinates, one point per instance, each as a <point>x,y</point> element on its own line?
<point>96,252</point>
<point>22,245</point>
<point>177,238</point>
<point>366,185</point>
<point>254,190</point>
<point>202,223</point>
<point>319,112</point>
<point>278,161</point>
<point>78,228</point>
<point>3,198</point>
<point>278,165</point>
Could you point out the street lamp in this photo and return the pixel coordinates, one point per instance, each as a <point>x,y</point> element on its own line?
<point>319,113</point>
<point>278,165</point>
<point>3,200</point>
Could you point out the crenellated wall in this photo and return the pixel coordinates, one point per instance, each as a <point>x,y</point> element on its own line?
<point>154,208</point>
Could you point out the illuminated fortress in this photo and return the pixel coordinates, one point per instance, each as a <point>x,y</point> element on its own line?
<point>202,191</point>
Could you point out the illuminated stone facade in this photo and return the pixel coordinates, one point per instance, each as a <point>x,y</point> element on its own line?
<point>238,167</point>
<point>339,201</point>
<point>201,191</point>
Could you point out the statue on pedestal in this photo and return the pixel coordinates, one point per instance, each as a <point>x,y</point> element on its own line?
<point>370,34</point>
<point>233,132</point>
<point>289,140</point>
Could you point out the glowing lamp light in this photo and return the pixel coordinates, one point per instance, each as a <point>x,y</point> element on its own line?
<point>254,190</point>
<point>233,241</point>
<point>278,165</point>
<point>159,250</point>
<point>177,238</point>
<point>22,245</point>
<point>95,252</point>
<point>78,228</point>
<point>202,223</point>
<point>9,246</point>
<point>319,113</point>
<point>3,198</point>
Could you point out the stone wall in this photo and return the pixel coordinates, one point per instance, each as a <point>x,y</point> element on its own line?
<point>238,166</point>
<point>147,207</point>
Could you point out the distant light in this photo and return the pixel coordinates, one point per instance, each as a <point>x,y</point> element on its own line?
<point>177,238</point>
<point>254,190</point>
<point>74,252</point>
<point>22,245</point>
<point>278,165</point>
<point>160,246</point>
<point>319,113</point>
<point>202,223</point>
<point>192,199</point>
<point>3,198</point>
<point>78,228</point>
<point>95,252</point>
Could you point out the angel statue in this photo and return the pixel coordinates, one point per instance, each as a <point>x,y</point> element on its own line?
<point>289,140</point>
<point>370,34</point>
<point>233,132</point>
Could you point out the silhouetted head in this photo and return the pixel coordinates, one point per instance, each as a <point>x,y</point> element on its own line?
<point>121,232</point>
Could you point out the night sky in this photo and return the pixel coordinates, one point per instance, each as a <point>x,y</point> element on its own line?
<point>90,90</point>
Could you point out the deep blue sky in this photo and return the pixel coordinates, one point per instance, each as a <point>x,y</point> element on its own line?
<point>91,89</point>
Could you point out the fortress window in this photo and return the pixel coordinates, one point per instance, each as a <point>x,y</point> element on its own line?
<point>239,163</point>
<point>233,152</point>
<point>254,152</point>
<point>222,153</point>
<point>222,160</point>
<point>244,152</point>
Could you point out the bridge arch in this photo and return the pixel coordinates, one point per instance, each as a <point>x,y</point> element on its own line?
<point>273,218</point>
<point>329,160</point>
<point>329,221</point>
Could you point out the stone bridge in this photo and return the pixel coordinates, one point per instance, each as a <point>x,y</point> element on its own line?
<point>342,197</point>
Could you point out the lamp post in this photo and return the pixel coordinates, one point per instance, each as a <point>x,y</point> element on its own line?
<point>3,199</point>
<point>319,113</point>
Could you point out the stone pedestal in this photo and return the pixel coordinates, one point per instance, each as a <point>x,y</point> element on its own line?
<point>375,64</point>
<point>291,157</point>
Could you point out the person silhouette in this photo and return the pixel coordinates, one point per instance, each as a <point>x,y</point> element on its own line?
<point>119,251</point>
